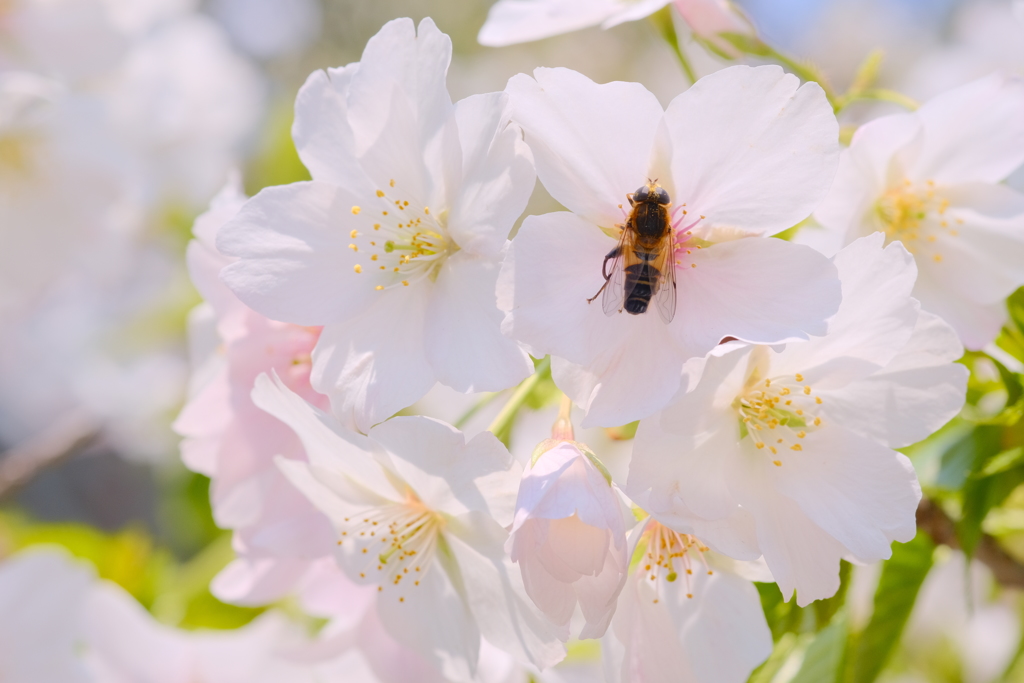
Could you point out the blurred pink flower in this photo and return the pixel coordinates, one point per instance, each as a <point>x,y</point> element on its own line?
<point>279,535</point>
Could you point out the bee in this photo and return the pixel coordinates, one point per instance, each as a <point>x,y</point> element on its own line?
<point>642,264</point>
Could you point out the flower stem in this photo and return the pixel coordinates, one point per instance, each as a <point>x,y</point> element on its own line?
<point>562,429</point>
<point>482,403</point>
<point>877,95</point>
<point>662,20</point>
<point>501,427</point>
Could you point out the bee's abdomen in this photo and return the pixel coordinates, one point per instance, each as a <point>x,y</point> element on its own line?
<point>641,281</point>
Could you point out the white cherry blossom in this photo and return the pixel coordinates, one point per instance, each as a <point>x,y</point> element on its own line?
<point>394,246</point>
<point>745,152</point>
<point>569,538</point>
<point>521,21</point>
<point>932,180</point>
<point>787,453</point>
<point>687,614</point>
<point>421,513</point>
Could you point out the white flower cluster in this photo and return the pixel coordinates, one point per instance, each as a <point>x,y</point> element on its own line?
<point>113,114</point>
<point>772,382</point>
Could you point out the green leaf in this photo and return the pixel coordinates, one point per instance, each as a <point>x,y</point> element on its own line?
<point>1014,390</point>
<point>824,610</point>
<point>1003,462</point>
<point>783,617</point>
<point>956,463</point>
<point>898,586</point>
<point>823,660</point>
<point>789,643</point>
<point>980,493</point>
<point>788,617</point>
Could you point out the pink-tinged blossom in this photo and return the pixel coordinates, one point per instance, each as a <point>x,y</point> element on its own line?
<point>788,452</point>
<point>394,246</point>
<point>522,21</point>
<point>687,614</point>
<point>420,514</point>
<point>932,179</point>
<point>569,538</point>
<point>746,152</point>
<point>279,535</point>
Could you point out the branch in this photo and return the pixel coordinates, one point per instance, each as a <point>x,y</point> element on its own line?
<point>936,523</point>
<point>21,464</point>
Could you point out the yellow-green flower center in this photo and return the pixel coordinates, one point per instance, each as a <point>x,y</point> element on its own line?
<point>401,537</point>
<point>402,241</point>
<point>918,216</point>
<point>777,413</point>
<point>667,554</point>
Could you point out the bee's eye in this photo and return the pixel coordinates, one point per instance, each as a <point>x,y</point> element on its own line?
<point>662,196</point>
<point>641,195</point>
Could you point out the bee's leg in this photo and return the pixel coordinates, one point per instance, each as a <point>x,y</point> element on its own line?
<point>629,196</point>
<point>613,254</point>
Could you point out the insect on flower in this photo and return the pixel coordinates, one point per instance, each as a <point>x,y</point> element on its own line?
<point>642,261</point>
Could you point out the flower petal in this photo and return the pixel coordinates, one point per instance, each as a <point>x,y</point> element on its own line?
<point>722,629</point>
<point>495,595</point>
<point>632,11</point>
<point>327,444</point>
<point>973,133</point>
<point>799,553</point>
<point>857,490</point>
<point>409,68</point>
<point>678,454</point>
<point>295,262</point>
<point>874,321</point>
<point>464,343</point>
<point>865,170</point>
<point>983,258</point>
<point>497,175</point>
<point>375,364</point>
<point>758,290</point>
<point>521,21</point>
<point>592,143</point>
<point>432,619</point>
<point>752,148</point>
<point>448,474</point>
<point>912,397</point>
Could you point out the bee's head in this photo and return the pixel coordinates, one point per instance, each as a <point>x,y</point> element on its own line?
<point>651,192</point>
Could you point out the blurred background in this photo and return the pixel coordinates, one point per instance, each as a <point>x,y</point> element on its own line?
<point>121,119</point>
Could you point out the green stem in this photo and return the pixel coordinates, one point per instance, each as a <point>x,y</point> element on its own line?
<point>502,424</point>
<point>483,402</point>
<point>877,95</point>
<point>662,20</point>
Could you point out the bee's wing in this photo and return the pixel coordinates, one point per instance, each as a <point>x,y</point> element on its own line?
<point>615,289</point>
<point>665,295</point>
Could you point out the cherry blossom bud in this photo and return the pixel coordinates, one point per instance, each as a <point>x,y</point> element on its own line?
<point>569,537</point>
